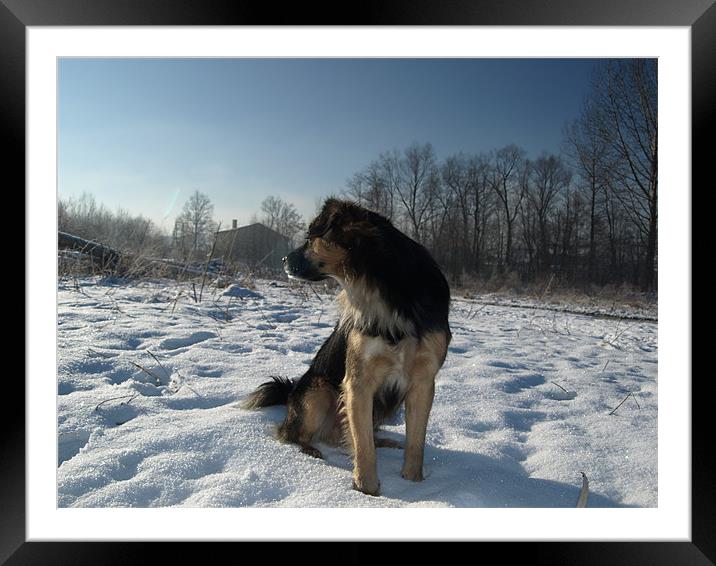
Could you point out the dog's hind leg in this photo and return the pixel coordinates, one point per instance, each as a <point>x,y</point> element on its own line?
<point>386,443</point>
<point>311,413</point>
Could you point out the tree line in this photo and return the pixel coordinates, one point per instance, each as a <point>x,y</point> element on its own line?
<point>86,218</point>
<point>193,233</point>
<point>587,215</point>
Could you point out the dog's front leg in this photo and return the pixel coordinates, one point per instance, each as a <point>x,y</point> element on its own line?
<point>418,402</point>
<point>358,398</point>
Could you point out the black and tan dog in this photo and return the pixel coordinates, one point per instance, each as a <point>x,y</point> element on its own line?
<point>387,347</point>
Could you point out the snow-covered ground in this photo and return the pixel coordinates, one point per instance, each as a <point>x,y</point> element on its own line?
<point>642,309</point>
<point>149,385</point>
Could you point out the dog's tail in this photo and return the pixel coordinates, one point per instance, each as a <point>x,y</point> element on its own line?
<point>274,392</point>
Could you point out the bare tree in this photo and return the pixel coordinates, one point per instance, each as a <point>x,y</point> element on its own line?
<point>625,98</point>
<point>282,217</point>
<point>458,182</point>
<point>271,208</point>
<point>466,181</point>
<point>85,218</point>
<point>507,165</point>
<point>549,179</point>
<point>568,223</point>
<point>194,227</point>
<point>372,187</point>
<point>587,152</point>
<point>415,181</point>
<point>530,236</point>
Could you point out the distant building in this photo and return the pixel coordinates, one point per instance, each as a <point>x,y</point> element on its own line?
<point>255,245</point>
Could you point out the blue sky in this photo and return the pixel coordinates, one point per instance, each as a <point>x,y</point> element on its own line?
<point>144,134</point>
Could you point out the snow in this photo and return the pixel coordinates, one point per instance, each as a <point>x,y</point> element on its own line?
<point>150,381</point>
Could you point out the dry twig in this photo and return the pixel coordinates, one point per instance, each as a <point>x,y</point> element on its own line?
<point>584,491</point>
<point>145,370</point>
<point>630,394</point>
<point>115,398</point>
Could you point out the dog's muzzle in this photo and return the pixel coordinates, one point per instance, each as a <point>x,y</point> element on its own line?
<point>298,266</point>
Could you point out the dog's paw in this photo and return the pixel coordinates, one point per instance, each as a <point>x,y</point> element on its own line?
<point>412,474</point>
<point>369,488</point>
<point>311,451</point>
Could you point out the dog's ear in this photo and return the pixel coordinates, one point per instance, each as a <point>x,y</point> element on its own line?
<point>347,213</point>
<point>322,224</point>
<point>339,215</point>
<point>343,222</point>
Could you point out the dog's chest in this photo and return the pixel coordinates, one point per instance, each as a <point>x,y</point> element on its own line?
<point>364,309</point>
<point>389,362</point>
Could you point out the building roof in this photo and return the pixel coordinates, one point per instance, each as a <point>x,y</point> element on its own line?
<point>254,225</point>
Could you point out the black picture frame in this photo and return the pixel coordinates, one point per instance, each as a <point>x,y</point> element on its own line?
<point>17,15</point>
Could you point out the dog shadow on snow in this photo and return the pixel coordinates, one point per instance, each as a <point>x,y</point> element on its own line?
<point>455,478</point>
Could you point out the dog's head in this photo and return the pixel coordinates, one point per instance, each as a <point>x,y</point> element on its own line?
<point>333,236</point>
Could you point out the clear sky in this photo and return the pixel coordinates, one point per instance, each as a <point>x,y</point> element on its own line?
<point>144,134</point>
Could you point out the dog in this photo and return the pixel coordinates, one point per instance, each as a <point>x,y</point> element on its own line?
<point>386,349</point>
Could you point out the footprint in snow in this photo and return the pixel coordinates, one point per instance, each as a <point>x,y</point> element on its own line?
<point>523,421</point>
<point>457,349</point>
<point>127,344</point>
<point>232,348</point>
<point>69,444</point>
<point>305,348</point>
<point>208,371</point>
<point>560,395</point>
<point>176,343</point>
<point>65,388</point>
<point>285,317</point>
<point>523,382</point>
<point>115,413</point>
<point>506,365</point>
